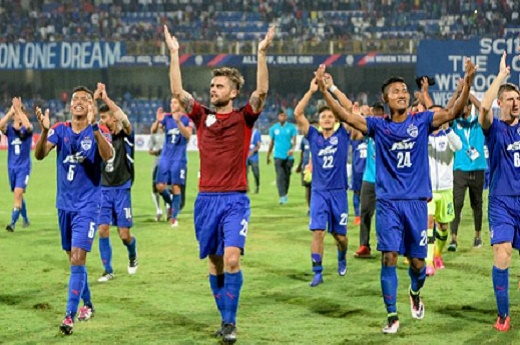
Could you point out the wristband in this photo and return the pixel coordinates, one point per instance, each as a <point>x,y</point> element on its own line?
<point>332,88</point>
<point>95,127</point>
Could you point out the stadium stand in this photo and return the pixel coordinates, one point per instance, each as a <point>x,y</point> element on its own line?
<point>304,26</point>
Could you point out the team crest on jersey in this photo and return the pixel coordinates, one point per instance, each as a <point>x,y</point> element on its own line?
<point>413,131</point>
<point>518,130</point>
<point>334,140</point>
<point>276,131</point>
<point>86,144</point>
<point>51,132</point>
<point>211,119</point>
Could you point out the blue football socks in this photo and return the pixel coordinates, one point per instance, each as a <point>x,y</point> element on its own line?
<point>217,286</point>
<point>389,287</point>
<point>176,205</point>
<point>23,211</point>
<point>356,200</point>
<point>417,278</point>
<point>131,248</point>
<point>317,267</point>
<point>232,286</point>
<point>501,288</point>
<point>15,214</point>
<point>76,286</point>
<point>105,251</point>
<point>167,197</point>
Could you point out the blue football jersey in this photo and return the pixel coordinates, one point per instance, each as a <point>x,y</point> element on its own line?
<point>359,155</point>
<point>402,166</point>
<point>19,147</point>
<point>175,143</point>
<point>503,142</point>
<point>78,167</point>
<point>329,159</point>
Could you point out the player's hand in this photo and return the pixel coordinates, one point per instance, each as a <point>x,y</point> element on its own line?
<point>101,91</point>
<point>266,42</point>
<point>268,160</point>
<point>313,87</point>
<point>171,41</point>
<point>97,92</point>
<point>17,104</point>
<point>43,119</point>
<point>327,79</point>
<point>298,169</point>
<point>471,70</point>
<point>91,115</point>
<point>504,69</point>
<point>290,153</point>
<point>424,85</point>
<point>320,76</point>
<point>159,116</point>
<point>10,113</point>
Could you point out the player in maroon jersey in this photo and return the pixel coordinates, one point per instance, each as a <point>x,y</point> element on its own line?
<point>222,207</point>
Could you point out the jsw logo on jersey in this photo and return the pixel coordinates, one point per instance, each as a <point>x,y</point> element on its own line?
<point>403,145</point>
<point>514,146</point>
<point>16,141</point>
<point>329,150</point>
<point>75,158</point>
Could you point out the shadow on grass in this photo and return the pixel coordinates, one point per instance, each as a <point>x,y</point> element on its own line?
<point>466,312</point>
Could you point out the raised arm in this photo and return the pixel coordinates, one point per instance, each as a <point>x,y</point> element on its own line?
<point>448,114</point>
<point>18,109</point>
<point>299,111</point>
<point>175,72</point>
<point>474,100</point>
<point>269,151</point>
<point>8,116</point>
<point>355,120</point>
<point>43,147</point>
<point>258,96</point>
<point>424,95</point>
<point>106,151</point>
<point>119,114</point>
<point>186,131</point>
<point>456,94</point>
<point>485,115</point>
<point>159,116</point>
<point>342,98</point>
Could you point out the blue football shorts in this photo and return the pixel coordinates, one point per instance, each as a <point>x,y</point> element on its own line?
<point>221,220</point>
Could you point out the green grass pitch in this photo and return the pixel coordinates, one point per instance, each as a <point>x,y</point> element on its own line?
<point>169,301</point>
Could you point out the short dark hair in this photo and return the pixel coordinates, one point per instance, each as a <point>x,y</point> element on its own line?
<point>378,106</point>
<point>389,81</point>
<point>281,111</point>
<point>104,108</point>
<point>323,108</point>
<point>506,88</point>
<point>82,88</point>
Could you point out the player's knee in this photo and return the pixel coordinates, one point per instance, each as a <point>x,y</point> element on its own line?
<point>125,235</point>
<point>232,263</point>
<point>389,258</point>
<point>160,187</point>
<point>77,257</point>
<point>104,231</point>
<point>416,264</point>
<point>318,234</point>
